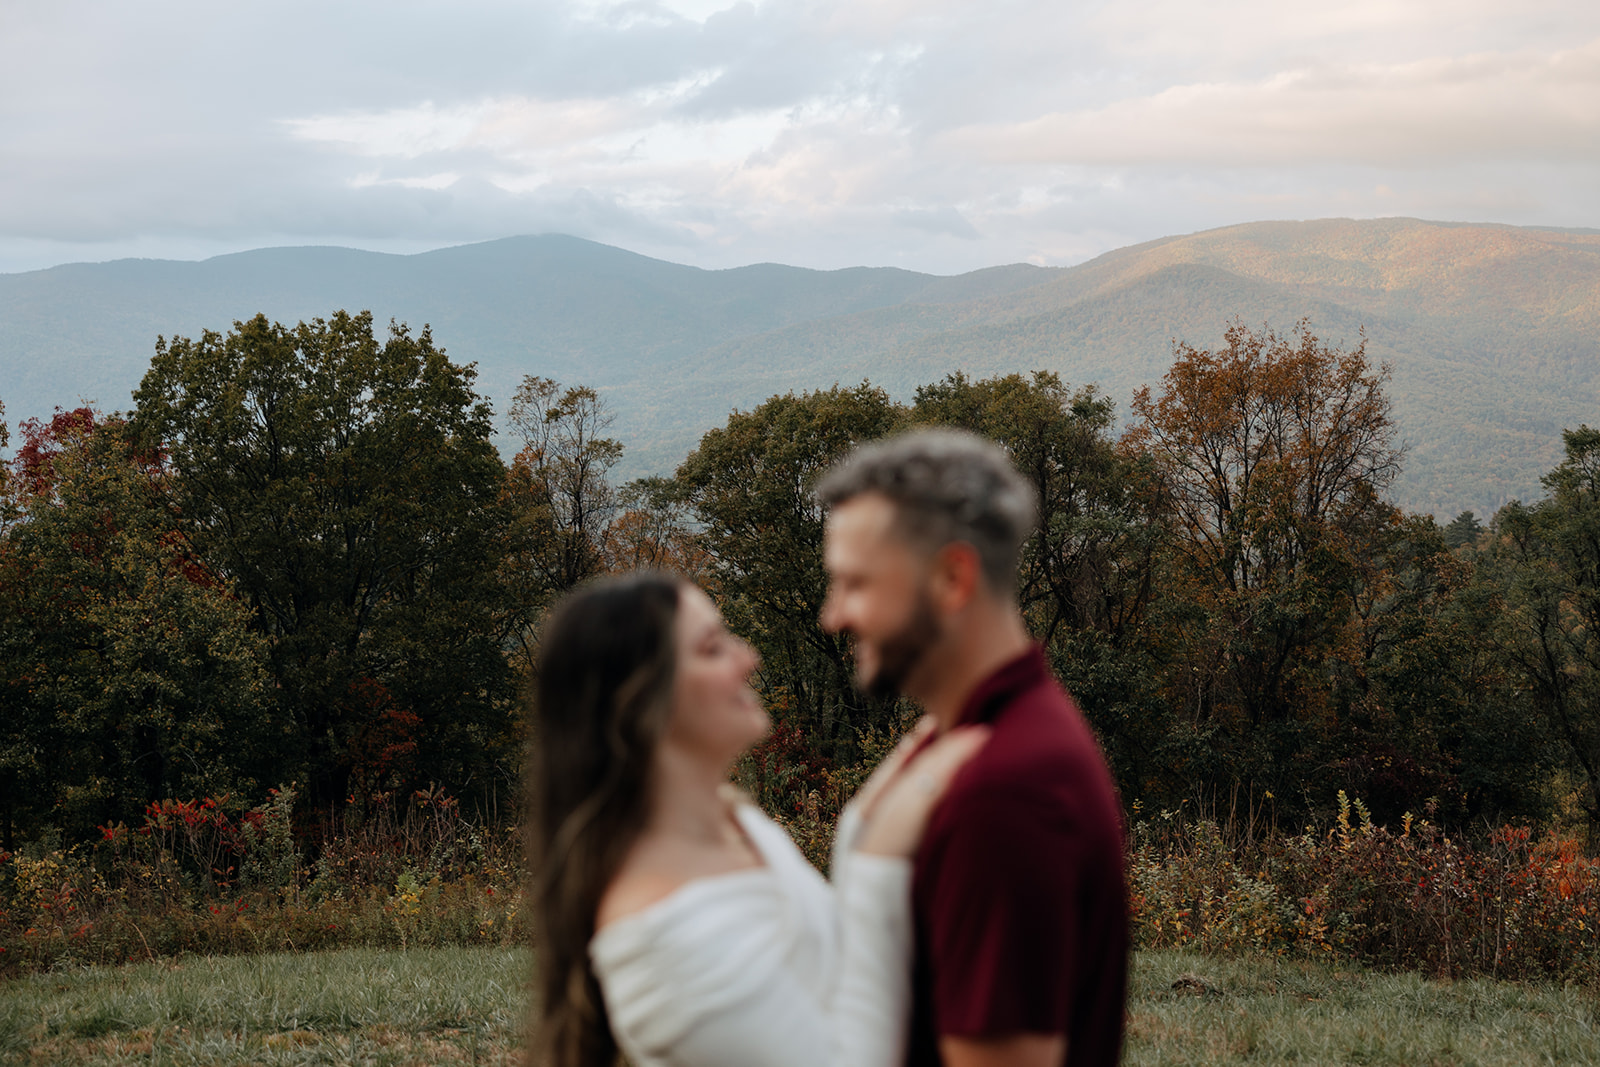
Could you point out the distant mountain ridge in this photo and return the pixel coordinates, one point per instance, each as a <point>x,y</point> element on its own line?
<point>1491,330</point>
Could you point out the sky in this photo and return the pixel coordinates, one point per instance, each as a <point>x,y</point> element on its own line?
<point>929,134</point>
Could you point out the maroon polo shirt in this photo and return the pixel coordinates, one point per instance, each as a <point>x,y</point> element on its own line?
<point>1017,889</point>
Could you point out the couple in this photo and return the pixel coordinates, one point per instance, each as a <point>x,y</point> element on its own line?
<point>977,913</point>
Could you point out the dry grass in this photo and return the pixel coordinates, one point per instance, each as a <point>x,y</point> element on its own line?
<point>464,1006</point>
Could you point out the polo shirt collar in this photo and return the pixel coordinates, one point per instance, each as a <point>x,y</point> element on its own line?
<point>1000,688</point>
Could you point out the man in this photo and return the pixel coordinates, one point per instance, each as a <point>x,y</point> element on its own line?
<point>1018,893</point>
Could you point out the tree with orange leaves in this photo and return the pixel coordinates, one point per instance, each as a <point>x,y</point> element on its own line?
<point>653,532</point>
<point>1275,451</point>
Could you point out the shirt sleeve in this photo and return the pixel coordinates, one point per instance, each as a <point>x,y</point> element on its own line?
<point>1001,899</point>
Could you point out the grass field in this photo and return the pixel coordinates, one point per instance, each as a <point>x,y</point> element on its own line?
<point>464,1006</point>
<point>359,1006</point>
<point>1189,1009</point>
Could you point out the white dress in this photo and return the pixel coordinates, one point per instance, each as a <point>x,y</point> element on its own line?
<point>767,966</point>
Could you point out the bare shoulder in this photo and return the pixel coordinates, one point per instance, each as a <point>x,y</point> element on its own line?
<point>657,867</point>
<point>647,877</point>
<point>629,895</point>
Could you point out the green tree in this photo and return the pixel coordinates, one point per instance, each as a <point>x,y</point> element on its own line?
<point>1464,529</point>
<point>561,478</point>
<point>19,756</point>
<point>749,484</point>
<point>132,673</point>
<point>349,490</point>
<point>1425,711</point>
<point>1548,557</point>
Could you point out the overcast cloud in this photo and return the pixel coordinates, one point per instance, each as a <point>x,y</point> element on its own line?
<point>930,134</point>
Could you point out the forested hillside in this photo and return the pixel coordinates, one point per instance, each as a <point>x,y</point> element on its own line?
<point>1491,332</point>
<point>1490,329</point>
<point>551,305</point>
<point>262,641</point>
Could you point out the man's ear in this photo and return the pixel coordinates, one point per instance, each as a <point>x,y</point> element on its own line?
<point>957,573</point>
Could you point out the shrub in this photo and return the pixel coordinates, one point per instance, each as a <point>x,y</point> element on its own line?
<point>195,879</point>
<point>1512,906</point>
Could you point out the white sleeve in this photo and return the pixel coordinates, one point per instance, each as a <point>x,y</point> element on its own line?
<point>864,1024</point>
<point>704,991</point>
<point>845,835</point>
<point>871,1009</point>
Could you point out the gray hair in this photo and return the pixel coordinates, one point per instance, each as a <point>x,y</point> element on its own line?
<point>947,486</point>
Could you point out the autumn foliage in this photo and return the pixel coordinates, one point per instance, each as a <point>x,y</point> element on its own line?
<point>1514,904</point>
<point>205,876</point>
<point>302,561</point>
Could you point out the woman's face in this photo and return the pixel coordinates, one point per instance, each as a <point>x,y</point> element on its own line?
<point>715,713</point>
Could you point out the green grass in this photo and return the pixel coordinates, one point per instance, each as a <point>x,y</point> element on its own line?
<point>360,1006</point>
<point>465,1005</point>
<point>1192,1009</point>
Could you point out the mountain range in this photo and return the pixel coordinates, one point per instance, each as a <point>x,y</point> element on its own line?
<point>1490,331</point>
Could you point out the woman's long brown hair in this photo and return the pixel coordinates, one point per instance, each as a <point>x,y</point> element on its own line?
<point>605,673</point>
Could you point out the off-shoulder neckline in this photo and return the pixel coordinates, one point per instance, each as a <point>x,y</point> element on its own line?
<point>748,816</point>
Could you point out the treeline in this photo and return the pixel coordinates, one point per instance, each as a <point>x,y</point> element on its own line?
<point>301,559</point>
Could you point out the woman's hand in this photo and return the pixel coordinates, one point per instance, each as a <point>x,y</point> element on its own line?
<point>897,811</point>
<point>890,765</point>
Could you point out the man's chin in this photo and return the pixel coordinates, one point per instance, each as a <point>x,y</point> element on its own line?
<point>879,688</point>
<point>865,682</point>
<point>880,684</point>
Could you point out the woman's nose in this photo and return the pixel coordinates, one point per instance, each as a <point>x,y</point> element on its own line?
<point>826,617</point>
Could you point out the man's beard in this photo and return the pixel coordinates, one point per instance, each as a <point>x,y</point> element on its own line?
<point>902,652</point>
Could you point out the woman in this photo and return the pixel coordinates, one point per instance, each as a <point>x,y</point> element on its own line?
<point>672,917</point>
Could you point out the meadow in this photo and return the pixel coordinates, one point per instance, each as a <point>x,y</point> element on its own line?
<point>465,1006</point>
<point>205,938</point>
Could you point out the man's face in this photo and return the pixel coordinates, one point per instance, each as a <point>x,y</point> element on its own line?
<point>877,592</point>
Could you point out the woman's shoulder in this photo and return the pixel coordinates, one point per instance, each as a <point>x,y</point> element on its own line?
<point>656,872</point>
<point>705,944</point>
<point>633,891</point>
<point>699,935</point>
<point>699,951</point>
<point>646,892</point>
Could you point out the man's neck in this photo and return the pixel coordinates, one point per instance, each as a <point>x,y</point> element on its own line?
<point>981,643</point>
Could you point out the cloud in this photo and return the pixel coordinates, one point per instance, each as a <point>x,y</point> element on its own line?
<point>1431,112</point>
<point>508,128</point>
<point>938,134</point>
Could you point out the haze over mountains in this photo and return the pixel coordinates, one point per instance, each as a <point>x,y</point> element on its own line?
<point>1491,331</point>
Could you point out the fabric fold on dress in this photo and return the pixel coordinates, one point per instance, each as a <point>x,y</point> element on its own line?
<point>766,967</point>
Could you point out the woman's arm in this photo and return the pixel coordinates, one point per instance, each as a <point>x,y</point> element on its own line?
<point>862,1022</point>
<point>707,986</point>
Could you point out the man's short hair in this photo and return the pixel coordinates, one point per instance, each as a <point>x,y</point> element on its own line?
<point>947,486</point>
